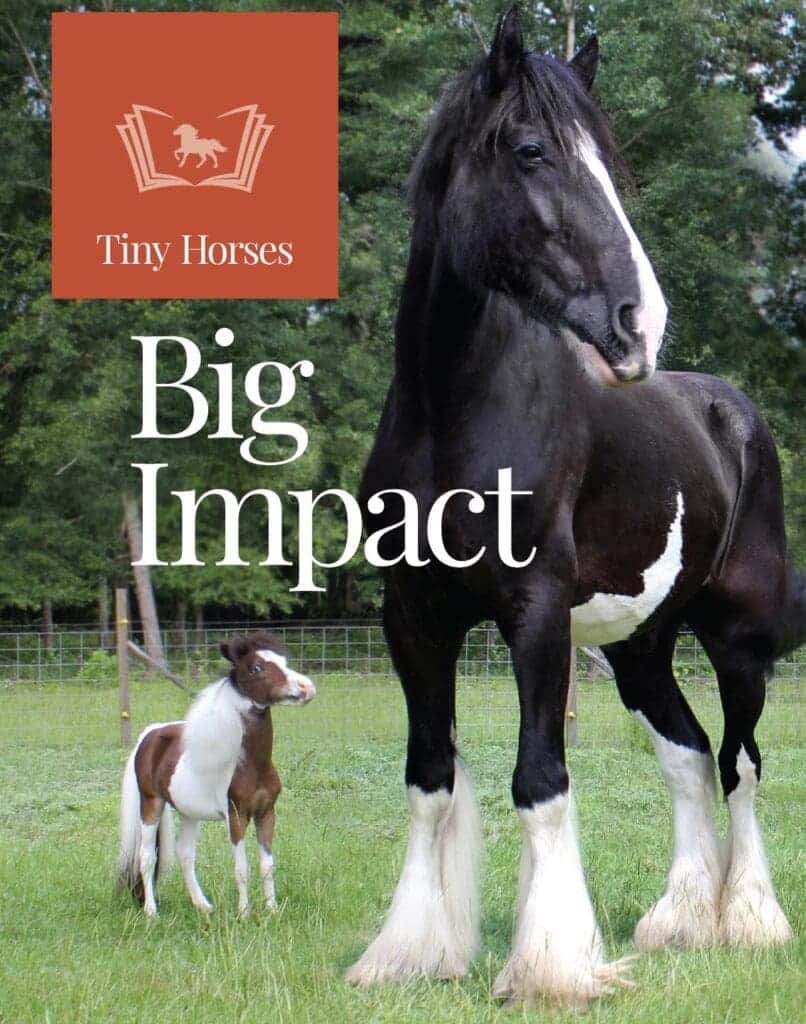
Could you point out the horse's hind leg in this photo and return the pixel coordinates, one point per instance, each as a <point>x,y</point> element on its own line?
<point>432,926</point>
<point>186,855</point>
<point>151,809</point>
<point>750,914</point>
<point>687,914</point>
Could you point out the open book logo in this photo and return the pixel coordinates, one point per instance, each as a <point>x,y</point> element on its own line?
<point>142,126</point>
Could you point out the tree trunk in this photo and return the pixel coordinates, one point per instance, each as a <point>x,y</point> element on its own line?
<point>146,604</point>
<point>104,639</point>
<point>570,28</point>
<point>47,623</point>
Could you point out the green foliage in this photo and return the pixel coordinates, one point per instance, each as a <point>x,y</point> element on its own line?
<point>689,88</point>
<point>100,669</point>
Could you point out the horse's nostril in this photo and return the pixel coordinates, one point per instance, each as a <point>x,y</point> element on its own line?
<point>625,319</point>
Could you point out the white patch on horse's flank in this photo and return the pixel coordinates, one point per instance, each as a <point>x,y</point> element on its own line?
<point>750,914</point>
<point>212,738</point>
<point>300,686</point>
<point>433,925</point>
<point>650,316</point>
<point>557,949</point>
<point>687,913</point>
<point>608,618</point>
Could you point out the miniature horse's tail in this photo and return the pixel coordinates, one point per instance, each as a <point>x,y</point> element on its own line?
<point>128,868</point>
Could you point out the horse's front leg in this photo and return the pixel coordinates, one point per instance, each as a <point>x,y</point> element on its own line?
<point>557,949</point>
<point>433,925</point>
<point>264,826</point>
<point>238,825</point>
<point>178,155</point>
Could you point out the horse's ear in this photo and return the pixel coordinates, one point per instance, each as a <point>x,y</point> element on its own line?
<point>586,61</point>
<point>506,51</point>
<point>224,648</point>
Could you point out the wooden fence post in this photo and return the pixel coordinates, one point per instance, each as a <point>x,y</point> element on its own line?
<point>571,703</point>
<point>122,635</point>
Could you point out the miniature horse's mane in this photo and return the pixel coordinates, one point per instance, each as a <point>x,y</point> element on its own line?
<point>242,644</point>
<point>547,94</point>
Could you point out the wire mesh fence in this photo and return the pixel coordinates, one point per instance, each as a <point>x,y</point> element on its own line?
<point>55,686</point>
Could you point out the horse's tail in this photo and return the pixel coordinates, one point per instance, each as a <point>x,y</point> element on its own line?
<point>790,628</point>
<point>128,870</point>
<point>216,146</point>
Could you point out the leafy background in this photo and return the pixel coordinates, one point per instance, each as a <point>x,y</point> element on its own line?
<point>700,96</point>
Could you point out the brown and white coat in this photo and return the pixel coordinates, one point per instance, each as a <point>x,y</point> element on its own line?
<point>215,765</point>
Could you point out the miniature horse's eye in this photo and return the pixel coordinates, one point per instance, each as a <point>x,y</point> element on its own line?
<point>255,669</point>
<point>531,152</point>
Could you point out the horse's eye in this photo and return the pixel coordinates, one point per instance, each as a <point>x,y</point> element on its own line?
<point>256,668</point>
<point>531,152</point>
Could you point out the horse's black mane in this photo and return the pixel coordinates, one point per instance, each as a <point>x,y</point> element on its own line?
<point>547,94</point>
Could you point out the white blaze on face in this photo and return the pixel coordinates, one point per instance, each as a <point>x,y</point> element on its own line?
<point>650,315</point>
<point>300,688</point>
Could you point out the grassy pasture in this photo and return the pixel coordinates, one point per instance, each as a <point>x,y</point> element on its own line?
<point>75,951</point>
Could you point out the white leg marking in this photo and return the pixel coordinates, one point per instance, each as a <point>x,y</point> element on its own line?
<point>750,914</point>
<point>186,855</point>
<point>433,925</point>
<point>557,949</point>
<point>267,876</point>
<point>148,862</point>
<point>687,913</point>
<point>241,877</point>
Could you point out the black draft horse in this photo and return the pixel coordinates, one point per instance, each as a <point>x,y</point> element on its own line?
<point>527,301</point>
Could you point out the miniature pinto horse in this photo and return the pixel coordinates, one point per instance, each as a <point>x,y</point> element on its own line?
<point>528,299</point>
<point>215,765</point>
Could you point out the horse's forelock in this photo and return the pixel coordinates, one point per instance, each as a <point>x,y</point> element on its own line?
<point>546,93</point>
<point>242,646</point>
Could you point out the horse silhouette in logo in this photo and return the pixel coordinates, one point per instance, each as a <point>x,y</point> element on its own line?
<point>190,144</point>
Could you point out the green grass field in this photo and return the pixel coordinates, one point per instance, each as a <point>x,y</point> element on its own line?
<point>76,951</point>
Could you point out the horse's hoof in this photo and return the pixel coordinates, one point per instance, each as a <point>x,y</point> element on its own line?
<point>750,916</point>
<point>524,982</point>
<point>684,921</point>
